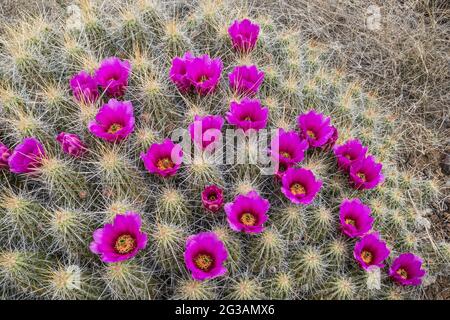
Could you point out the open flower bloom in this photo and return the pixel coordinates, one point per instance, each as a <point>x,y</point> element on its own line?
<point>178,72</point>
<point>366,173</point>
<point>246,79</point>
<point>206,130</point>
<point>407,270</point>
<point>204,73</point>
<point>315,128</point>
<point>247,213</point>
<point>291,148</point>
<point>120,240</point>
<point>71,144</point>
<point>26,156</point>
<point>243,35</point>
<point>84,87</point>
<point>112,76</point>
<point>114,121</point>
<point>205,255</point>
<point>212,198</point>
<point>350,152</point>
<point>300,185</point>
<point>371,251</point>
<point>163,158</point>
<point>355,218</point>
<point>5,153</point>
<point>247,114</point>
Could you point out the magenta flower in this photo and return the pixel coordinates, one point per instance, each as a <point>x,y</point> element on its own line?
<point>212,198</point>
<point>243,35</point>
<point>71,144</point>
<point>120,240</point>
<point>247,213</point>
<point>332,140</point>
<point>205,255</point>
<point>281,168</point>
<point>355,218</point>
<point>371,251</point>
<point>204,73</point>
<point>300,185</point>
<point>112,76</point>
<point>206,130</point>
<point>178,72</point>
<point>315,128</point>
<point>350,152</point>
<point>291,148</point>
<point>5,153</point>
<point>114,121</point>
<point>26,156</point>
<point>246,79</point>
<point>406,270</point>
<point>84,87</point>
<point>163,158</point>
<point>366,173</point>
<point>247,114</point>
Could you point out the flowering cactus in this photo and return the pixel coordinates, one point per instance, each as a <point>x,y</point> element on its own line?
<point>112,75</point>
<point>114,121</point>
<point>71,144</point>
<point>27,156</point>
<point>243,34</point>
<point>97,185</point>
<point>121,240</point>
<point>246,79</point>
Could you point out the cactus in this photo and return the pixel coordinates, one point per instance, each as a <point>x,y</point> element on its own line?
<point>48,218</point>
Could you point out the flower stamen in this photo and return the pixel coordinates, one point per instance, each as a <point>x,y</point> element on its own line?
<point>165,164</point>
<point>125,244</point>
<point>402,273</point>
<point>366,256</point>
<point>286,155</point>
<point>114,128</point>
<point>248,219</point>
<point>203,78</point>
<point>311,134</point>
<point>204,261</point>
<point>297,189</point>
<point>350,221</point>
<point>362,176</point>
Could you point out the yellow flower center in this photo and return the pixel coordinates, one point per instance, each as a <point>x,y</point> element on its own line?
<point>164,164</point>
<point>203,78</point>
<point>285,154</point>
<point>114,128</point>
<point>248,118</point>
<point>212,197</point>
<point>204,261</point>
<point>297,188</point>
<point>367,256</point>
<point>362,176</point>
<point>402,273</point>
<point>349,157</point>
<point>350,221</point>
<point>125,244</point>
<point>248,219</point>
<point>311,134</point>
